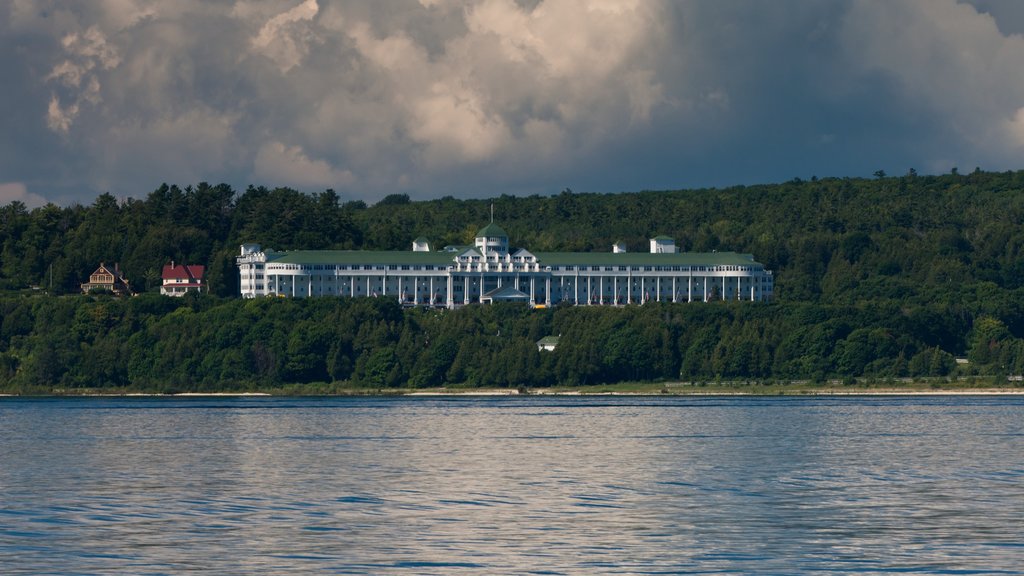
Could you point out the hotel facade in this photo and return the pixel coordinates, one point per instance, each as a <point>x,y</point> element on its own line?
<point>489,271</point>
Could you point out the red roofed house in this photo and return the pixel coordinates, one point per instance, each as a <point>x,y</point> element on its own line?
<point>180,278</point>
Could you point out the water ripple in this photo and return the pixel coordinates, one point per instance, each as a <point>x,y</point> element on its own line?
<point>512,486</point>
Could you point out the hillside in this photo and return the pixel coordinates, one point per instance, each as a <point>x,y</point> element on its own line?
<point>886,277</point>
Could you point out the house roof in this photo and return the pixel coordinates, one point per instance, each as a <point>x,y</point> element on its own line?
<point>548,341</point>
<point>115,272</point>
<point>190,272</point>
<point>492,230</point>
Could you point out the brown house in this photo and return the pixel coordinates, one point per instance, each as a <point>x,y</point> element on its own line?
<point>105,278</point>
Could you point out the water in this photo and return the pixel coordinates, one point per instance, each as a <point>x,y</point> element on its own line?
<point>929,485</point>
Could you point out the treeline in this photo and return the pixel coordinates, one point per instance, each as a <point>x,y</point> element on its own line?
<point>884,277</point>
<point>912,238</point>
<point>162,344</point>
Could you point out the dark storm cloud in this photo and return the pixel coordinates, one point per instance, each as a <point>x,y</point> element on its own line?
<point>479,98</point>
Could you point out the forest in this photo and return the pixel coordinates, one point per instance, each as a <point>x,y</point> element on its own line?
<point>889,277</point>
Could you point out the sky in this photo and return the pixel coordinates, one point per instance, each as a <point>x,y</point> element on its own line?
<point>475,99</point>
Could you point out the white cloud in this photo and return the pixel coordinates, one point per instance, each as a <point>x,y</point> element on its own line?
<point>86,53</point>
<point>59,118</point>
<point>463,96</point>
<point>949,60</point>
<point>563,65</point>
<point>17,191</point>
<point>1015,128</point>
<point>286,38</point>
<point>290,166</point>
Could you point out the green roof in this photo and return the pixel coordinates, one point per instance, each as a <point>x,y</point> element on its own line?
<point>313,257</point>
<point>645,259</point>
<point>663,237</point>
<point>492,230</point>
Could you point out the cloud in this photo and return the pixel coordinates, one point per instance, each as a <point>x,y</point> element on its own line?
<point>18,192</point>
<point>483,97</point>
<point>290,166</point>
<point>59,118</point>
<point>949,61</point>
<point>85,53</point>
<point>286,38</point>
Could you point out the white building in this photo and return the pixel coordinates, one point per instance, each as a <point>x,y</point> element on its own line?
<point>490,271</point>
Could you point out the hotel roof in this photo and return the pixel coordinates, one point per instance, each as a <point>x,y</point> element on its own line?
<point>316,257</point>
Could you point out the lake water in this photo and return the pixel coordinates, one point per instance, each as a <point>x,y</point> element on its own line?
<point>528,485</point>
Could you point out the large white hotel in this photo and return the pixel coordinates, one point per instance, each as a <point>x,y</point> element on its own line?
<point>488,271</point>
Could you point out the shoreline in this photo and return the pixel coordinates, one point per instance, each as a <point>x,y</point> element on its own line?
<point>500,392</point>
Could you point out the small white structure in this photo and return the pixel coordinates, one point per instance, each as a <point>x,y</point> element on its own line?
<point>421,244</point>
<point>547,343</point>
<point>663,245</point>
<point>619,247</point>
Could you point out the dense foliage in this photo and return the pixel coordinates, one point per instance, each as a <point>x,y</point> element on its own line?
<point>884,277</point>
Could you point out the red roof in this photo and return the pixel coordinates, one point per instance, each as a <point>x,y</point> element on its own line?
<point>193,273</point>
